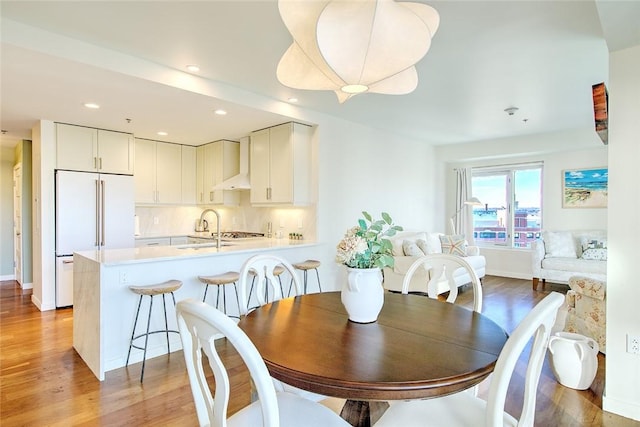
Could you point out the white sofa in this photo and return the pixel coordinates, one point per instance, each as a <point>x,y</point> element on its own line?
<point>393,277</point>
<point>558,255</point>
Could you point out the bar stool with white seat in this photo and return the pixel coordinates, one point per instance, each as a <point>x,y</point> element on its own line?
<point>305,266</point>
<point>168,287</point>
<point>218,280</point>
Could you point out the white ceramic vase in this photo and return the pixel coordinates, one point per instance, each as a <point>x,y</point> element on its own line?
<point>362,294</point>
<point>574,359</point>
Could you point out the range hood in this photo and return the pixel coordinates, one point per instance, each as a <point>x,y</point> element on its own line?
<point>240,181</point>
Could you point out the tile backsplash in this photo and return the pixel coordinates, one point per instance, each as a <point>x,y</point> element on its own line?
<point>181,220</point>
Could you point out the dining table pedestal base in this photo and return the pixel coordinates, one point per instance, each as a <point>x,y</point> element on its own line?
<point>361,413</point>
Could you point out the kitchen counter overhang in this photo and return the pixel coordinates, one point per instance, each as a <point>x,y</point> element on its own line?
<point>167,253</point>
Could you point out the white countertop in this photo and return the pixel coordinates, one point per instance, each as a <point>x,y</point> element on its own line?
<point>159,253</point>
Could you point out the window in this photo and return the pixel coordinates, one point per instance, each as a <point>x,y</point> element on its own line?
<point>512,212</point>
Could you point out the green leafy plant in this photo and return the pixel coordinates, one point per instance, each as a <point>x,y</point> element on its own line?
<point>366,245</point>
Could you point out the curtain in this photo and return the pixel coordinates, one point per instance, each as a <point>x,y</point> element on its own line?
<point>463,220</point>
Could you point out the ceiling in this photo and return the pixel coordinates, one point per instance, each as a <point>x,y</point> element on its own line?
<point>539,56</point>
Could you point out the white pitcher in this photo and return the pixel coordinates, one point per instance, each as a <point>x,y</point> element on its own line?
<point>574,359</point>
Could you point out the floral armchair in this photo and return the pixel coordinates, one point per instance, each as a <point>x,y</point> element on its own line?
<point>585,307</point>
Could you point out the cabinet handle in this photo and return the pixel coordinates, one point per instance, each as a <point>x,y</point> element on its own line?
<point>157,196</point>
<point>97,213</point>
<point>211,196</point>
<point>100,163</point>
<point>153,244</point>
<point>201,196</point>
<point>103,243</point>
<point>95,163</point>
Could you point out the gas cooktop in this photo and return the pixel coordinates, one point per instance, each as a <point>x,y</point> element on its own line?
<point>229,235</point>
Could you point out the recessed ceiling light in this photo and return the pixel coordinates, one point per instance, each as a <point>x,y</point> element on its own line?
<point>220,112</point>
<point>294,100</point>
<point>193,68</point>
<point>162,133</point>
<point>92,105</point>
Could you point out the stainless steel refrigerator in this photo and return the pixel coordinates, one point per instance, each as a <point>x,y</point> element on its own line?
<point>93,211</point>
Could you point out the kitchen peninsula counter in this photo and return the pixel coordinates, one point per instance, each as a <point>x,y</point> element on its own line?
<point>167,253</point>
<point>104,307</point>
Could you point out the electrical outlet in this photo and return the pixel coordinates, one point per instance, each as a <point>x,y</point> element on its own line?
<point>633,344</point>
<point>300,225</point>
<point>233,220</point>
<point>156,220</point>
<point>124,277</point>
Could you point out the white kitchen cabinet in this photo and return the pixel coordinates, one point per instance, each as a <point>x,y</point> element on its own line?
<point>281,165</point>
<point>179,240</point>
<point>200,175</point>
<point>216,162</point>
<point>86,149</point>
<point>153,241</point>
<point>188,175</point>
<point>158,177</point>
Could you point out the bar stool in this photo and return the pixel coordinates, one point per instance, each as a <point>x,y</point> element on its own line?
<point>277,271</point>
<point>305,266</point>
<point>168,287</point>
<point>228,278</point>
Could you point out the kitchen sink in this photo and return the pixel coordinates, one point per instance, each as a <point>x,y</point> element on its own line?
<point>203,245</point>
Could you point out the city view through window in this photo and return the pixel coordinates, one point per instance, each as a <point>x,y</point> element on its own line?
<point>511,215</point>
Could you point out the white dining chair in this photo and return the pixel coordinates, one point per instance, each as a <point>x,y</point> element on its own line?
<point>200,324</point>
<point>465,409</point>
<point>445,267</point>
<point>259,270</point>
<point>263,272</point>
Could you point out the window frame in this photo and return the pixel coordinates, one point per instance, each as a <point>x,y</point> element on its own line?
<point>510,171</point>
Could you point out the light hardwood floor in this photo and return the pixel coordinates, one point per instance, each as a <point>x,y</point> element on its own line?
<point>44,382</point>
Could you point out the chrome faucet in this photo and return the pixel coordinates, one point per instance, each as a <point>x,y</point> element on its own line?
<point>206,211</point>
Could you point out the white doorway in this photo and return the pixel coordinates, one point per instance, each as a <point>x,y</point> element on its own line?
<point>17,224</point>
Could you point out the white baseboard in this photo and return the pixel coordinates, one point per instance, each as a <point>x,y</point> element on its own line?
<point>40,305</point>
<point>8,277</point>
<point>622,408</point>
<point>510,274</point>
<point>27,286</point>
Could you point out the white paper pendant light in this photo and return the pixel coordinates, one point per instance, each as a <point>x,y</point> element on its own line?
<point>355,46</point>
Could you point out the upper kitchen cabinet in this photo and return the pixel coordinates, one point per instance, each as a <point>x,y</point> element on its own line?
<point>281,165</point>
<point>93,150</point>
<point>158,177</point>
<point>216,162</point>
<point>188,175</point>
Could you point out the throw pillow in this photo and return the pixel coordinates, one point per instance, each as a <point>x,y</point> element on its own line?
<point>598,254</point>
<point>453,244</point>
<point>410,248</point>
<point>559,244</point>
<point>588,242</point>
<point>431,245</point>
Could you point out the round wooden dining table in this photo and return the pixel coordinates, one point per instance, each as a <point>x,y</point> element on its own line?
<point>418,348</point>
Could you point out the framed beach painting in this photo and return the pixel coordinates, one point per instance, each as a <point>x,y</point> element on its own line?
<point>585,188</point>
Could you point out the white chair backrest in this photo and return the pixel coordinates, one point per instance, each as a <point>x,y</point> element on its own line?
<point>200,324</point>
<point>537,325</point>
<point>263,266</point>
<point>443,267</point>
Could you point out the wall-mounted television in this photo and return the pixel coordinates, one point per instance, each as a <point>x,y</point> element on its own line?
<point>600,111</point>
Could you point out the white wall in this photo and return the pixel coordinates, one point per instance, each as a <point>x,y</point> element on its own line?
<point>581,148</point>
<point>622,393</point>
<point>363,169</point>
<point>44,155</point>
